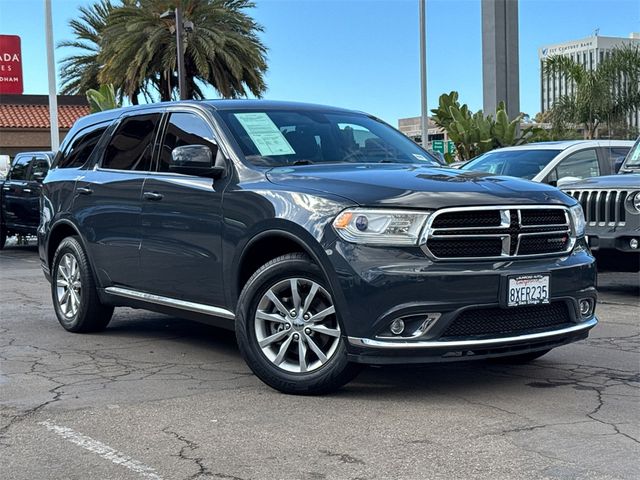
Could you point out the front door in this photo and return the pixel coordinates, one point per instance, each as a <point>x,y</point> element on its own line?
<point>14,211</point>
<point>181,220</point>
<point>38,168</point>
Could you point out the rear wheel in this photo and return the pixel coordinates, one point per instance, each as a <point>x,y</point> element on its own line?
<point>73,290</point>
<point>288,329</point>
<point>521,358</point>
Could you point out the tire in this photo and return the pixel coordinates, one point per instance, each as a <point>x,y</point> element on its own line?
<point>3,236</point>
<point>259,318</point>
<point>82,311</point>
<point>520,359</point>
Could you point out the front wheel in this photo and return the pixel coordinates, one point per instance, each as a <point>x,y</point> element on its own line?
<point>288,329</point>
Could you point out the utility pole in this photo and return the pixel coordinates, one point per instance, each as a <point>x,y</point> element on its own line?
<point>51,69</point>
<point>424,117</point>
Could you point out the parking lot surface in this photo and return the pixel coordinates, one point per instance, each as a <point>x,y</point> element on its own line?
<point>164,398</point>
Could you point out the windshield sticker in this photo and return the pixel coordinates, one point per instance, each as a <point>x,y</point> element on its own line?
<point>265,134</point>
<point>420,157</point>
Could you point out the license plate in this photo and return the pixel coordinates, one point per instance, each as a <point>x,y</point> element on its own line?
<point>528,290</point>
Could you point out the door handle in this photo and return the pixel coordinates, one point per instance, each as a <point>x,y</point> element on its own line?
<point>152,196</point>
<point>84,190</point>
<point>6,189</point>
<point>26,190</point>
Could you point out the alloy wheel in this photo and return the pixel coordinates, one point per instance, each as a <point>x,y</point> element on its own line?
<point>296,325</point>
<point>68,285</point>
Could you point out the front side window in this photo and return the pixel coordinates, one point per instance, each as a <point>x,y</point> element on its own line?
<point>184,129</point>
<point>519,163</point>
<point>274,138</point>
<point>582,164</point>
<point>77,153</point>
<point>39,165</point>
<point>19,168</point>
<point>131,146</point>
<point>633,158</point>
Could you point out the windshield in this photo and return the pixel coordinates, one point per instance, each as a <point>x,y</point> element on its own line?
<point>514,163</point>
<point>633,158</point>
<point>275,138</point>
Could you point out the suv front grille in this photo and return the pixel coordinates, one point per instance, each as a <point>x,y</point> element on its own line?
<point>498,232</point>
<point>505,322</point>
<point>602,207</point>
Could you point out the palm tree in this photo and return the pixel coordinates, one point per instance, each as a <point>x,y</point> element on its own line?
<point>606,94</point>
<point>139,49</point>
<point>79,72</point>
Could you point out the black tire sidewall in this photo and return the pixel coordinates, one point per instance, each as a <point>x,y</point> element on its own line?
<point>326,378</point>
<point>72,246</point>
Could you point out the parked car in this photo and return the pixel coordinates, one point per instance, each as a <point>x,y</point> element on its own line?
<point>326,238</point>
<point>612,209</point>
<point>20,194</point>
<point>554,163</point>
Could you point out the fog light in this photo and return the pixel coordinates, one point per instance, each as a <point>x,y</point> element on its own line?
<point>397,326</point>
<point>585,308</point>
<point>633,243</point>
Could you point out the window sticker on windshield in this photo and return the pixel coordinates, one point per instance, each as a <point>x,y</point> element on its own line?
<point>420,157</point>
<point>264,133</point>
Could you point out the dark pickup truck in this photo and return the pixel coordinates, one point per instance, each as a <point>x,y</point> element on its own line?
<point>20,194</point>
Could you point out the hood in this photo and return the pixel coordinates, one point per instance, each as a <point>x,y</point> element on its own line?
<point>396,185</point>
<point>631,180</point>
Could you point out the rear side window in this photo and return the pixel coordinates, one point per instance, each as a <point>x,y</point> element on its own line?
<point>19,168</point>
<point>131,146</point>
<point>79,150</point>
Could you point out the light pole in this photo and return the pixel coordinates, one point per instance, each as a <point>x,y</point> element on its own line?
<point>424,118</point>
<point>176,16</point>
<point>51,68</point>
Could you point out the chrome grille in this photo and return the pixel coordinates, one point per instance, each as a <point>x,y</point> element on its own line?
<point>498,232</point>
<point>602,207</point>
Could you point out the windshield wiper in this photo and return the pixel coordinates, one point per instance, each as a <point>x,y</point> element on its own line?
<point>302,162</point>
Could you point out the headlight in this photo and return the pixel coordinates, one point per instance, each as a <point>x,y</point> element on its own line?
<point>577,220</point>
<point>381,227</point>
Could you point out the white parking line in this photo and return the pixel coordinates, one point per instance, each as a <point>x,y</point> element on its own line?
<point>105,451</point>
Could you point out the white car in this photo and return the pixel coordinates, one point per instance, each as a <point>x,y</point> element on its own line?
<point>555,163</point>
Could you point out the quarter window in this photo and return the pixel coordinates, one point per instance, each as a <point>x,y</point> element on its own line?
<point>131,146</point>
<point>581,164</point>
<point>80,148</point>
<point>185,129</point>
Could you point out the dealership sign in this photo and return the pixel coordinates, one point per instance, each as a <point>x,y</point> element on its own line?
<point>10,64</point>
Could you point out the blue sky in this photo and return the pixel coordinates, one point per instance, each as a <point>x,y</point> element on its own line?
<point>363,54</point>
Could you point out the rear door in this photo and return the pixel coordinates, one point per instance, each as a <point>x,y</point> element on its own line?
<point>107,199</point>
<point>182,219</point>
<point>14,212</point>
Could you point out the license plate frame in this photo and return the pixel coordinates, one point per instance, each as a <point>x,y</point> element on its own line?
<point>527,289</point>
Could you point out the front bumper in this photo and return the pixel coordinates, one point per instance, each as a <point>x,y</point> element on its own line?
<point>378,285</point>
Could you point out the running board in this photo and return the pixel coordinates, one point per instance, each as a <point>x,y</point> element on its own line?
<point>171,302</point>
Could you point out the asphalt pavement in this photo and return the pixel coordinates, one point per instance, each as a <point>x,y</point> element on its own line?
<point>163,398</point>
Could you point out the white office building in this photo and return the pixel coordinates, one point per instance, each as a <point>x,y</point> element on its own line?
<point>590,52</point>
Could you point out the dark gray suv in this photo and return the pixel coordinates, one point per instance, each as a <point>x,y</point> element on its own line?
<point>322,236</point>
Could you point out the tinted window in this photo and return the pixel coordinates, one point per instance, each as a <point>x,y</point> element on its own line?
<point>515,163</point>
<point>184,129</point>
<point>288,137</point>
<point>131,146</point>
<point>19,168</point>
<point>77,153</point>
<point>38,165</point>
<point>581,164</point>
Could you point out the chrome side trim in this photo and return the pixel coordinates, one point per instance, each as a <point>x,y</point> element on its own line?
<point>370,343</point>
<point>171,302</point>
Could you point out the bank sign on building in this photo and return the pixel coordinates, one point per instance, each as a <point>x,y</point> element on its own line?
<point>10,65</point>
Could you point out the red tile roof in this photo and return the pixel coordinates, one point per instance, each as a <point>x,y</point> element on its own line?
<point>37,116</point>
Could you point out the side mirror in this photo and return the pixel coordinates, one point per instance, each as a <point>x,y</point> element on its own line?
<point>194,160</point>
<point>567,180</point>
<point>39,176</point>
